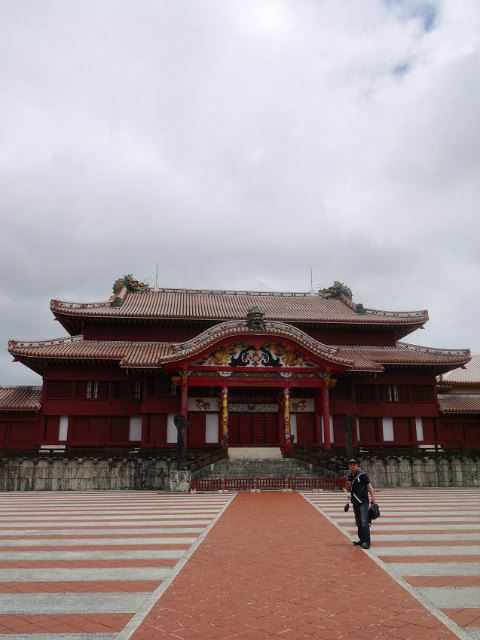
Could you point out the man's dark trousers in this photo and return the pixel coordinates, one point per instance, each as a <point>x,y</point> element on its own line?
<point>361,520</point>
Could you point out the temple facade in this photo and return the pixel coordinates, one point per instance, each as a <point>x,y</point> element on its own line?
<point>247,369</point>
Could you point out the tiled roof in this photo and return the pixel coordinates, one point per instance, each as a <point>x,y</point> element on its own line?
<point>470,374</point>
<point>458,403</point>
<point>154,354</point>
<point>127,353</point>
<point>199,304</point>
<point>409,354</point>
<point>20,399</point>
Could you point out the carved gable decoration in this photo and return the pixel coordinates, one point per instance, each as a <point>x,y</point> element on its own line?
<point>268,354</point>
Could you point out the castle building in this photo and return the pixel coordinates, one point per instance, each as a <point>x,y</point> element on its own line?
<point>246,368</point>
<point>459,402</point>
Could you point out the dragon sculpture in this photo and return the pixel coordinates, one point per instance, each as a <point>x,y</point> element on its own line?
<point>130,284</point>
<point>336,290</point>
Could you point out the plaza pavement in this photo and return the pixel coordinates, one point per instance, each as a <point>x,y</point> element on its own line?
<point>77,566</point>
<point>429,538</point>
<point>145,565</point>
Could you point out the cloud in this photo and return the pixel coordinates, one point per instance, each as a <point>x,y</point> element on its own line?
<point>239,145</point>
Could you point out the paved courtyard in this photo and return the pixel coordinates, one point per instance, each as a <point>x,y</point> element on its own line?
<point>105,566</point>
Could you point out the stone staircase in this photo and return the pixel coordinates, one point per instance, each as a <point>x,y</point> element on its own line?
<point>260,468</point>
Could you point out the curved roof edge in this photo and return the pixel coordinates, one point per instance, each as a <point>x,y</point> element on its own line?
<point>233,328</point>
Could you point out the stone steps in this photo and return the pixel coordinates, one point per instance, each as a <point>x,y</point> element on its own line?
<point>267,468</point>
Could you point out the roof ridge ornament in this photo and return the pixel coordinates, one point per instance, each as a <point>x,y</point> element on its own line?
<point>337,290</point>
<point>255,319</point>
<point>126,284</point>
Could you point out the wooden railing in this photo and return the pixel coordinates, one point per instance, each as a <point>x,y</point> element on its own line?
<point>250,484</point>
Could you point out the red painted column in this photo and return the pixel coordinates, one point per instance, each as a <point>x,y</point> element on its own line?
<point>184,396</point>
<point>439,433</point>
<point>281,429</point>
<point>318,420</point>
<point>286,420</point>
<point>145,430</point>
<point>224,417</point>
<point>355,432</point>
<point>326,415</point>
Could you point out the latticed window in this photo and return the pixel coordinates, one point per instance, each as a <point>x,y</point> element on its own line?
<point>422,393</point>
<point>403,391</point>
<point>341,390</point>
<point>91,389</point>
<point>127,390</point>
<point>366,392</point>
<point>59,389</point>
<point>392,393</point>
<point>161,387</point>
<point>382,393</point>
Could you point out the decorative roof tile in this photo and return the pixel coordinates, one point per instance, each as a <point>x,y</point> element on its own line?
<point>20,399</point>
<point>127,353</point>
<point>459,403</point>
<point>200,304</point>
<point>404,353</point>
<point>155,354</point>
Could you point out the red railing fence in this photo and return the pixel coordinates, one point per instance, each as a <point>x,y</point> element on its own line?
<point>248,484</point>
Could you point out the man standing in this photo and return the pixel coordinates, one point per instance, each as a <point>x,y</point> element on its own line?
<point>360,488</point>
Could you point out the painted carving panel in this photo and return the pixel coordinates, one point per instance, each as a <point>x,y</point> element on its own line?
<point>203,404</point>
<point>268,354</point>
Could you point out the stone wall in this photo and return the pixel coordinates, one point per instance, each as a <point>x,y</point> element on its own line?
<point>91,473</point>
<point>82,474</point>
<point>435,471</point>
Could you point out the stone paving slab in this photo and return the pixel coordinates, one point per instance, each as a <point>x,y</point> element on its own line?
<point>85,575</point>
<point>85,603</point>
<point>438,568</point>
<point>59,636</point>
<point>122,554</point>
<point>84,542</point>
<point>453,597</point>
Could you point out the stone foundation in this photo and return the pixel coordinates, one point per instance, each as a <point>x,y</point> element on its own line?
<point>82,474</point>
<point>435,471</point>
<point>94,473</point>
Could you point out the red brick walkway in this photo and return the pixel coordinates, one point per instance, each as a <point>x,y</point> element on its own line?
<point>273,567</point>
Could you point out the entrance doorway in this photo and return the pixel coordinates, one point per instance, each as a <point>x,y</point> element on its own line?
<point>255,428</point>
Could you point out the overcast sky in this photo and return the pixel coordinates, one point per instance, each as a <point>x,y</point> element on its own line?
<point>240,144</point>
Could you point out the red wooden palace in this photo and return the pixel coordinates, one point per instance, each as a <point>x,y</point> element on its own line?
<point>246,368</point>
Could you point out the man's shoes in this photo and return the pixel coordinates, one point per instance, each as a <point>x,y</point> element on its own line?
<point>357,543</point>
<point>365,545</point>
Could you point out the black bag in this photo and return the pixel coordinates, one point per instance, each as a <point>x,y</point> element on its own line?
<point>373,512</point>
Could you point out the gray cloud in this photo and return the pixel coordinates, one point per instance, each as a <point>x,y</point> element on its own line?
<point>239,145</point>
